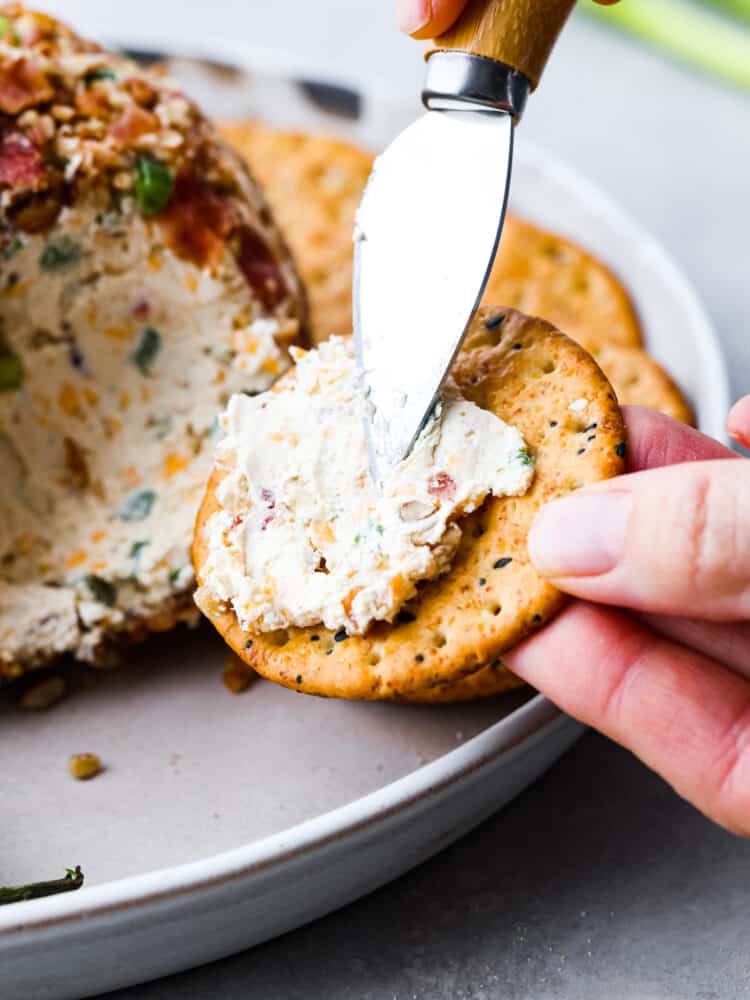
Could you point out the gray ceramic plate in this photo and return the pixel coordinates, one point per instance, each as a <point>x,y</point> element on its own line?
<point>221,821</point>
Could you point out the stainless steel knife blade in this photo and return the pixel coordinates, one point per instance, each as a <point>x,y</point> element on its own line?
<point>425,240</point>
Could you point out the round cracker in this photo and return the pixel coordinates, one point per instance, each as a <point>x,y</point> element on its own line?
<point>546,275</point>
<point>529,374</point>
<point>638,379</point>
<point>314,185</point>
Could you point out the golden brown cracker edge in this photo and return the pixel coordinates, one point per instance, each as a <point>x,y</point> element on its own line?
<point>492,597</point>
<point>544,274</point>
<point>638,379</point>
<point>314,185</point>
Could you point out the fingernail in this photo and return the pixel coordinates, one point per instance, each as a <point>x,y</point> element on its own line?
<point>413,15</point>
<point>580,535</point>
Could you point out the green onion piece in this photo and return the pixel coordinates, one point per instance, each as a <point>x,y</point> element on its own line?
<point>690,33</point>
<point>61,255</point>
<point>5,26</point>
<point>11,372</point>
<point>737,8</point>
<point>135,555</point>
<point>104,591</point>
<point>73,880</point>
<point>145,353</point>
<point>137,506</point>
<point>153,185</point>
<point>100,73</point>
<point>523,457</point>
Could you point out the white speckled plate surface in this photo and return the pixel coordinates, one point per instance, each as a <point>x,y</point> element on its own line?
<point>223,820</point>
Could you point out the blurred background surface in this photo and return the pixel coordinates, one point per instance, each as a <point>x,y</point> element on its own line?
<point>598,881</point>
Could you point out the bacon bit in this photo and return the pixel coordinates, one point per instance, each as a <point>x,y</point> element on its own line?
<point>260,269</point>
<point>268,498</point>
<point>75,462</point>
<point>142,309</point>
<point>266,521</point>
<point>132,124</point>
<point>22,85</point>
<point>21,163</point>
<point>174,463</point>
<point>69,401</point>
<point>197,222</point>
<point>442,485</point>
<point>237,520</point>
<point>76,558</point>
<point>141,92</point>
<point>348,601</point>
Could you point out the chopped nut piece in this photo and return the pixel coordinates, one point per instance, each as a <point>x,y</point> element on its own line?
<point>415,510</point>
<point>238,676</point>
<point>44,695</point>
<point>83,766</point>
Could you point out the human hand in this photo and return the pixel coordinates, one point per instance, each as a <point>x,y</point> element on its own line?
<point>430,18</point>
<point>656,650</point>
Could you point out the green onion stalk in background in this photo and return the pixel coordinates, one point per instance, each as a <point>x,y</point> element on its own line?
<point>688,31</point>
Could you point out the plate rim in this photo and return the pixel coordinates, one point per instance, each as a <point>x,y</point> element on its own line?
<point>509,736</point>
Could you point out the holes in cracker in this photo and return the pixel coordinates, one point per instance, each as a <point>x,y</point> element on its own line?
<point>552,251</point>
<point>373,658</point>
<point>478,530</point>
<point>438,640</point>
<point>548,366</point>
<point>279,637</point>
<point>494,608</point>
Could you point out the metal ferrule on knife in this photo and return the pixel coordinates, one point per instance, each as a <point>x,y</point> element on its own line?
<point>455,80</point>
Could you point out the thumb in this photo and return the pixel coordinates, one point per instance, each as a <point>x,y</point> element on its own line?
<point>674,541</point>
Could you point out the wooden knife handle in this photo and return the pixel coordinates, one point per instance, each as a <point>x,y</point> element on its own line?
<point>519,33</point>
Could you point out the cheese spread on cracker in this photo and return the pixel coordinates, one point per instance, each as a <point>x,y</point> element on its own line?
<point>305,538</point>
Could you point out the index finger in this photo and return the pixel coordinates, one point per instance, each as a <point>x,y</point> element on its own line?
<point>684,715</point>
<point>655,440</point>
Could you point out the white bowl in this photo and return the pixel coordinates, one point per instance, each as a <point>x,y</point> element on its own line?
<point>223,821</point>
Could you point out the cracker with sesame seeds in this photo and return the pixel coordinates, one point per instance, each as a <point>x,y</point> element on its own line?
<point>638,379</point>
<point>314,185</point>
<point>554,393</point>
<point>546,275</point>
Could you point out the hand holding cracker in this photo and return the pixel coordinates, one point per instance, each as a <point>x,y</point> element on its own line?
<point>671,543</point>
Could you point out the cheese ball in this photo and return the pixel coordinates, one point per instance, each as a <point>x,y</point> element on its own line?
<point>143,281</point>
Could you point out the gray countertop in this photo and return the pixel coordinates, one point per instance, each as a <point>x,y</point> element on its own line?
<point>597,881</point>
